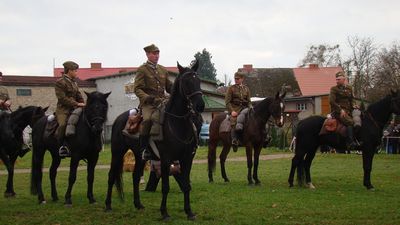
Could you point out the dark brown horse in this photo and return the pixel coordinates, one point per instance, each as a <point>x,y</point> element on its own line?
<point>253,136</point>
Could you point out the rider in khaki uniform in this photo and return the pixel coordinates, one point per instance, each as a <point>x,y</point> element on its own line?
<point>69,97</point>
<point>5,101</point>
<point>342,105</point>
<point>237,98</point>
<point>151,84</point>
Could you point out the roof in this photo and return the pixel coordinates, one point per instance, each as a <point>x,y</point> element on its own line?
<point>316,81</point>
<point>264,82</point>
<point>14,80</point>
<point>310,81</point>
<point>96,70</point>
<point>212,105</point>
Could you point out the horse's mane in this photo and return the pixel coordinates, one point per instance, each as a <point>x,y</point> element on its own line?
<point>261,106</point>
<point>174,90</point>
<point>376,109</point>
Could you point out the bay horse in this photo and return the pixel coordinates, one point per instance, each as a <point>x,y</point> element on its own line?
<point>179,142</point>
<point>85,144</point>
<point>11,140</point>
<point>308,139</point>
<point>253,136</point>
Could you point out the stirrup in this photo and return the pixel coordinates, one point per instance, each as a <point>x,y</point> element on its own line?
<point>63,151</point>
<point>146,155</point>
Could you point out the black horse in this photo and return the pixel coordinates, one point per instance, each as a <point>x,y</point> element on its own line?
<point>85,144</point>
<point>179,143</point>
<point>11,140</point>
<point>308,138</point>
<point>253,136</point>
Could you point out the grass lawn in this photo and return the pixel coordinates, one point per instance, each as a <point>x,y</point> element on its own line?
<point>339,198</point>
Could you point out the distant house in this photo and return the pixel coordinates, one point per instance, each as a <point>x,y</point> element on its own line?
<point>37,90</point>
<point>307,88</point>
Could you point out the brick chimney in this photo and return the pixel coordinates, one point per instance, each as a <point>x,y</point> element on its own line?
<point>248,67</point>
<point>95,66</point>
<point>313,66</point>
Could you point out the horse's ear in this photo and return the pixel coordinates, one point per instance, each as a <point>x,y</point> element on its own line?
<point>283,95</point>
<point>87,93</point>
<point>45,109</point>
<point>180,68</point>
<point>106,95</point>
<point>196,65</point>
<point>362,106</point>
<point>277,95</point>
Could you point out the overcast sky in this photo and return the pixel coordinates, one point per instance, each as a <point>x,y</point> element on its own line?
<point>263,33</point>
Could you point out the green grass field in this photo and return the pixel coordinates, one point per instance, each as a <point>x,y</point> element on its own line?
<point>339,198</point>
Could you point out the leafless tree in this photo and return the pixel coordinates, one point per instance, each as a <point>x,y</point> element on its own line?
<point>361,63</point>
<point>324,55</point>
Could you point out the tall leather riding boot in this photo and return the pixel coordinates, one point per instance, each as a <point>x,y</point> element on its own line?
<point>350,138</point>
<point>144,147</point>
<point>235,141</point>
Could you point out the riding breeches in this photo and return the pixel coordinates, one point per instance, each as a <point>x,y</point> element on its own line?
<point>62,124</point>
<point>150,113</point>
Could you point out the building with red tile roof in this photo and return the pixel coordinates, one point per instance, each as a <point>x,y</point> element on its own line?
<point>96,70</point>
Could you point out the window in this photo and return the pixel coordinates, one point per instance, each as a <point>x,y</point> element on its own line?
<point>24,92</point>
<point>301,106</point>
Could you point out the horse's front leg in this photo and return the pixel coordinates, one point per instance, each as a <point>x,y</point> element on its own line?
<point>90,178</point>
<point>368,156</point>
<point>257,150</point>
<point>71,180</point>
<point>10,179</point>
<point>164,190</point>
<point>249,154</point>
<point>55,163</point>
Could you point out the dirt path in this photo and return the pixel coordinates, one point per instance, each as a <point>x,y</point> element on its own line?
<point>198,161</point>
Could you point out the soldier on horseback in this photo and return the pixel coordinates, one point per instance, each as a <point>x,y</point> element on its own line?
<point>69,98</point>
<point>237,98</point>
<point>342,104</point>
<point>5,101</point>
<point>151,84</point>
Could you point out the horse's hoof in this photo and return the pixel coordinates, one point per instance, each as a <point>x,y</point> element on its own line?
<point>42,202</point>
<point>139,206</point>
<point>93,202</point>
<point>258,183</point>
<point>227,180</point>
<point>165,218</point>
<point>107,209</point>
<point>210,181</point>
<point>9,194</point>
<point>191,216</point>
<point>291,185</point>
<point>68,205</point>
<point>370,187</point>
<point>310,186</point>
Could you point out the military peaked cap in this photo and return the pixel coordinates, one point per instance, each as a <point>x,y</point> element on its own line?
<point>70,65</point>
<point>339,74</point>
<point>151,48</point>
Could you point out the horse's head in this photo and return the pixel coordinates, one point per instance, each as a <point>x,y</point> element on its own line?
<point>395,102</point>
<point>277,109</point>
<point>189,87</point>
<point>96,110</point>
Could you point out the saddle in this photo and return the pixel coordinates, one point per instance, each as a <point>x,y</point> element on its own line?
<point>332,125</point>
<point>51,126</point>
<point>134,124</point>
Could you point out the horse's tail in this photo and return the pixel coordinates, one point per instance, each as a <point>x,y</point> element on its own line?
<point>212,155</point>
<point>118,149</point>
<point>213,141</point>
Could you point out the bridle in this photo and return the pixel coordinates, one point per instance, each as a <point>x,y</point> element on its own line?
<point>191,112</point>
<point>188,98</point>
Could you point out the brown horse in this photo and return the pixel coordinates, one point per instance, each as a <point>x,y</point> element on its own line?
<point>253,137</point>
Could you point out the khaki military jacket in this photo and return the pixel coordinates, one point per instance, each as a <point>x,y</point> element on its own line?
<point>151,80</point>
<point>341,97</point>
<point>68,94</point>
<point>3,97</point>
<point>237,98</point>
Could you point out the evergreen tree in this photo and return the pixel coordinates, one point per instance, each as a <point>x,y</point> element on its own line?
<point>206,68</point>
